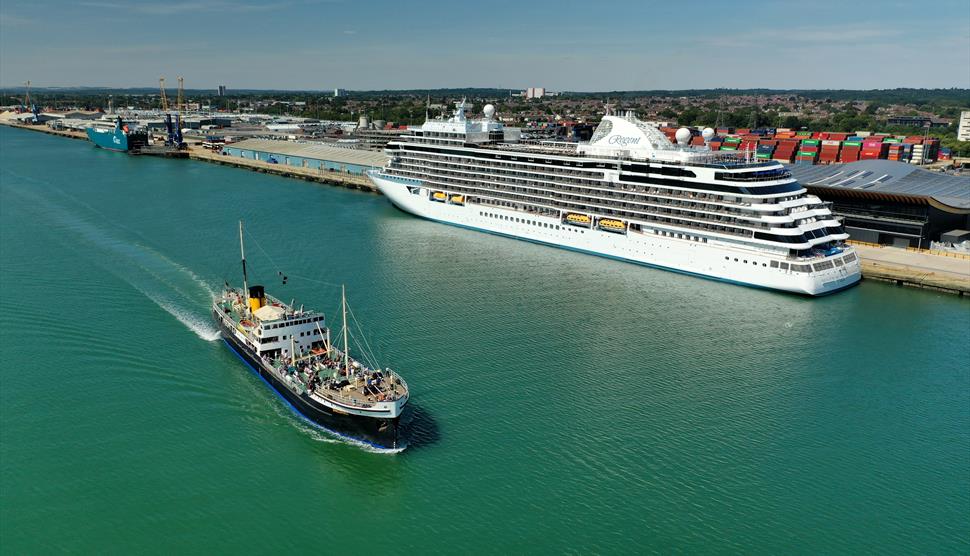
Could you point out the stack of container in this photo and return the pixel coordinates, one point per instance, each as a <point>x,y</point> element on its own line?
<point>731,144</point>
<point>850,149</point>
<point>830,151</point>
<point>872,148</point>
<point>748,144</point>
<point>785,150</point>
<point>900,151</point>
<point>931,149</point>
<point>766,148</point>
<point>918,155</point>
<point>808,152</point>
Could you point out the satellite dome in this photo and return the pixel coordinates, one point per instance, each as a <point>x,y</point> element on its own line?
<point>682,136</point>
<point>707,134</point>
<point>489,111</point>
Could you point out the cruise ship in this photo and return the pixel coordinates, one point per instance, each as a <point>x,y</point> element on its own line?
<point>628,193</point>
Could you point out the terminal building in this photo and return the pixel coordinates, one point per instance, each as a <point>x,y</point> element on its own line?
<point>890,202</point>
<point>313,155</point>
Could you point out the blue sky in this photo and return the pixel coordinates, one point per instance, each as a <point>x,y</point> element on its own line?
<point>562,45</point>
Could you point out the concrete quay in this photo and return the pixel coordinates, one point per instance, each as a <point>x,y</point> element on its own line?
<point>919,269</point>
<point>344,179</point>
<point>196,152</point>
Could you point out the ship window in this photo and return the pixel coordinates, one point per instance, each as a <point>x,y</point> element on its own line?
<point>784,266</point>
<point>735,260</point>
<point>774,264</point>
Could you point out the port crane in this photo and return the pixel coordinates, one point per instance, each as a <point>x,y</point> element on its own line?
<point>161,88</point>
<point>173,129</point>
<point>180,100</point>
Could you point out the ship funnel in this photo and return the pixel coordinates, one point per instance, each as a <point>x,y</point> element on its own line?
<point>257,298</point>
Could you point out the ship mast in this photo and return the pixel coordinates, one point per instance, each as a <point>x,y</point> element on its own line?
<point>343,304</point>
<point>242,254</point>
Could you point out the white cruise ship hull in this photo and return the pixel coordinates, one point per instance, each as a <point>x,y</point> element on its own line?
<point>713,259</point>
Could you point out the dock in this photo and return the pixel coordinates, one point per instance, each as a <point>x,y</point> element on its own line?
<point>196,152</point>
<point>344,179</point>
<point>940,271</point>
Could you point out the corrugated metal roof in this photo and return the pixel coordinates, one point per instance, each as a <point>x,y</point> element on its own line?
<point>316,151</point>
<point>887,177</point>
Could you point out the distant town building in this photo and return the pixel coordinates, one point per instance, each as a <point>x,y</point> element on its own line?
<point>339,92</point>
<point>963,132</point>
<point>535,92</point>
<point>917,121</point>
<point>222,90</point>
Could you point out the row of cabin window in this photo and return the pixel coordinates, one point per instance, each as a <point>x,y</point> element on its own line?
<point>776,264</point>
<point>681,236</point>
<point>524,221</point>
<point>574,202</point>
<point>271,339</point>
<point>301,321</point>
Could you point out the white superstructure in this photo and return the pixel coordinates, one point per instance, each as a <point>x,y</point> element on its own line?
<point>630,194</point>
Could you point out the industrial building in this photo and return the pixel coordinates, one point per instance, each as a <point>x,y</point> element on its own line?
<point>317,156</point>
<point>889,202</point>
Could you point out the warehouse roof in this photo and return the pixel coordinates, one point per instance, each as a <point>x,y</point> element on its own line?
<point>314,150</point>
<point>887,178</point>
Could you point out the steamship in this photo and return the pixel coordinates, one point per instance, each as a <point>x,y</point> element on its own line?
<point>628,193</point>
<point>291,350</point>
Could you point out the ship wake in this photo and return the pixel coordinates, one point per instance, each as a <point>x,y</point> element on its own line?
<point>123,253</point>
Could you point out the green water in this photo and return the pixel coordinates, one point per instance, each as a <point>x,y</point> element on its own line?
<point>562,402</point>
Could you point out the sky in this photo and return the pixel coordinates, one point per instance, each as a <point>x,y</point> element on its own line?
<point>563,45</point>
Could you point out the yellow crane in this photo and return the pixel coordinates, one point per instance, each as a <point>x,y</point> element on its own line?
<point>161,87</point>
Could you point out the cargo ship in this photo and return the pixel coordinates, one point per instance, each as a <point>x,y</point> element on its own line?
<point>291,350</point>
<point>628,193</point>
<point>119,139</point>
<point>134,141</point>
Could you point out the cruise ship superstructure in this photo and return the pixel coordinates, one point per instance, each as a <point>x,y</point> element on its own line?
<point>629,193</point>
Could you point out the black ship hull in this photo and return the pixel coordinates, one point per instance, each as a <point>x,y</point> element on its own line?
<point>380,432</point>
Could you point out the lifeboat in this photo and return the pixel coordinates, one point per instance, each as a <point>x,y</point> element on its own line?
<point>578,219</point>
<point>439,196</point>
<point>457,199</point>
<point>612,225</point>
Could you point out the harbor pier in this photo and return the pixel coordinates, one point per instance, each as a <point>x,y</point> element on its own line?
<point>945,272</point>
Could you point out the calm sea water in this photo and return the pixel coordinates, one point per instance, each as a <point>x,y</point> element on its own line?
<point>562,402</point>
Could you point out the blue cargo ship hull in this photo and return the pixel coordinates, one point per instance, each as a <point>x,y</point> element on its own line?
<point>113,140</point>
